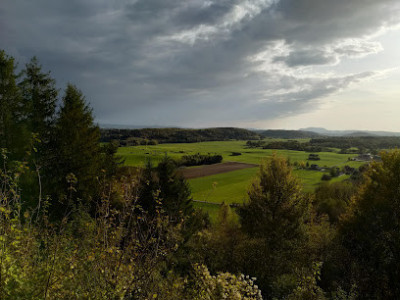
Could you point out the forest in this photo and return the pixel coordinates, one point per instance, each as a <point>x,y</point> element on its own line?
<point>363,144</point>
<point>74,224</point>
<point>132,137</point>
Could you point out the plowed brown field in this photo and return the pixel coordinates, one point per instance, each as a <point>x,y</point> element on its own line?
<point>208,170</point>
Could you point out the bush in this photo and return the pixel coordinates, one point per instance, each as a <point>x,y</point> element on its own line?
<point>200,159</point>
<point>326,177</point>
<point>236,154</point>
<point>313,156</point>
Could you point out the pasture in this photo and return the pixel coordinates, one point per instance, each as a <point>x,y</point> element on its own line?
<point>231,187</point>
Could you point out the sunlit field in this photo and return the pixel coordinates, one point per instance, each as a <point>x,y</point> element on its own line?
<point>231,187</point>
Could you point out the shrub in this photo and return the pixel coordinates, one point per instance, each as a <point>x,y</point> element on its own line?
<point>200,159</point>
<point>326,177</point>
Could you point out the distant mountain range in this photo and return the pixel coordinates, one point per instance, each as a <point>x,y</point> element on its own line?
<point>323,131</point>
<point>309,132</point>
<point>119,126</point>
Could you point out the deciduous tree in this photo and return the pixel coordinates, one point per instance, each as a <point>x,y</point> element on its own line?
<point>371,231</point>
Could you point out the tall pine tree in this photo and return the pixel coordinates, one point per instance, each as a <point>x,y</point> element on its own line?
<point>78,148</point>
<point>274,220</point>
<point>13,135</point>
<point>39,94</point>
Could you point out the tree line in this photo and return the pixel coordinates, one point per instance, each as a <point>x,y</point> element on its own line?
<point>287,134</point>
<point>133,137</point>
<point>347,145</point>
<point>364,143</point>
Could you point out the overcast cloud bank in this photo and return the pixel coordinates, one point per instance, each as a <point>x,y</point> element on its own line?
<point>197,62</point>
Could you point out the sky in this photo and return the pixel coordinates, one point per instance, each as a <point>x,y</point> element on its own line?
<point>286,64</point>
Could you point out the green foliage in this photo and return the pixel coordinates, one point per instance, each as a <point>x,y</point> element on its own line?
<point>326,177</point>
<point>106,257</point>
<point>200,159</point>
<point>371,230</point>
<point>176,135</point>
<point>165,184</point>
<point>358,144</point>
<point>333,199</point>
<point>174,191</point>
<point>13,133</point>
<point>308,288</point>
<point>288,134</point>
<point>313,157</point>
<point>216,247</point>
<point>40,97</point>
<point>81,259</point>
<point>222,286</point>
<point>276,206</point>
<point>274,219</point>
<point>77,148</point>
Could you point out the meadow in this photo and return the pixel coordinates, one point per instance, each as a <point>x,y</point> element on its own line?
<point>231,187</point>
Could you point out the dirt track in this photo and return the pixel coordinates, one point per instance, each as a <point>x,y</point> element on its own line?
<point>208,170</point>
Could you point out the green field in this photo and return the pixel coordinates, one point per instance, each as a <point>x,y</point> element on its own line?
<point>136,156</point>
<point>228,187</point>
<point>231,187</point>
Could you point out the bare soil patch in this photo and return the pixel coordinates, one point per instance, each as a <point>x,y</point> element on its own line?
<point>208,170</point>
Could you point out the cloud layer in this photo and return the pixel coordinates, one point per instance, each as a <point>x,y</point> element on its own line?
<point>198,62</point>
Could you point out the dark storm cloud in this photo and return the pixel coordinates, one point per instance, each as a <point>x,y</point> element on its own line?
<point>196,62</point>
<point>320,21</point>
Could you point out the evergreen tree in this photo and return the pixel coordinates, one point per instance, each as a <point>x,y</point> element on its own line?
<point>40,98</point>
<point>176,199</point>
<point>166,187</point>
<point>174,191</point>
<point>13,134</point>
<point>149,190</point>
<point>78,149</point>
<point>274,220</point>
<point>109,159</point>
<point>277,207</point>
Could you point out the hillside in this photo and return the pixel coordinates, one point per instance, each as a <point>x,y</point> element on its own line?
<point>288,134</point>
<point>326,132</point>
<point>131,137</point>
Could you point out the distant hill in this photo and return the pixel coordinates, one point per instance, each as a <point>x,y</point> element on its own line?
<point>359,134</point>
<point>119,126</point>
<point>288,134</point>
<point>175,135</point>
<point>326,132</point>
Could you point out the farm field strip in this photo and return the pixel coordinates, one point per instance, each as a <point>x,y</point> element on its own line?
<point>208,170</point>
<point>228,187</point>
